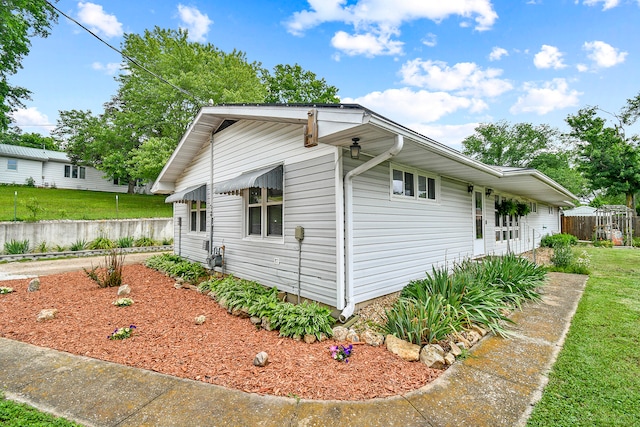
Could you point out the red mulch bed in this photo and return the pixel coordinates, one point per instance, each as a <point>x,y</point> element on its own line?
<point>167,340</point>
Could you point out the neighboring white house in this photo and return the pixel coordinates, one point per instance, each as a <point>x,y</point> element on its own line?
<point>580,211</point>
<point>253,178</point>
<point>50,168</point>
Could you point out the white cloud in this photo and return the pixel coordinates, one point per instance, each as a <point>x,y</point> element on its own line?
<point>464,78</point>
<point>196,23</point>
<point>109,69</point>
<point>93,16</point>
<point>497,53</point>
<point>383,13</point>
<point>430,40</point>
<point>406,106</point>
<point>32,119</point>
<point>548,57</point>
<point>608,4</point>
<point>552,95</point>
<point>582,68</point>
<point>451,135</point>
<point>366,44</point>
<point>603,54</point>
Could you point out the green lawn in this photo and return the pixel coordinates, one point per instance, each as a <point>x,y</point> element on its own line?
<point>596,379</point>
<point>14,414</point>
<point>51,203</point>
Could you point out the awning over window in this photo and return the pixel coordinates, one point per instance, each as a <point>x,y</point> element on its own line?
<point>270,177</point>
<point>195,193</point>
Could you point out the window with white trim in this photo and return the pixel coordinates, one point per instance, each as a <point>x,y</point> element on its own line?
<point>198,216</point>
<point>264,212</point>
<point>12,164</point>
<point>73,171</point>
<point>413,184</point>
<point>507,227</point>
<point>533,206</point>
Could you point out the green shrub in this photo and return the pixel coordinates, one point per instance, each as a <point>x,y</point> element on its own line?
<point>101,242</point>
<point>636,242</point>
<point>302,319</point>
<point>550,240</point>
<point>33,206</point>
<point>16,247</point>
<point>124,242</point>
<point>167,241</point>
<point>562,255</point>
<point>603,243</point>
<point>30,182</point>
<point>178,267</point>
<point>144,241</point>
<point>78,245</point>
<point>41,248</point>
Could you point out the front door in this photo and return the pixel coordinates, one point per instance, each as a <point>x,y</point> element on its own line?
<point>478,222</point>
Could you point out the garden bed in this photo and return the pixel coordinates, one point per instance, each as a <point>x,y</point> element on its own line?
<point>220,351</point>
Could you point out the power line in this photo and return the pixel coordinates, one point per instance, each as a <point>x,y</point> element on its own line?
<point>127,57</point>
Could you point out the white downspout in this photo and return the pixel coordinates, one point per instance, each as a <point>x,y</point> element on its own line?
<point>348,220</point>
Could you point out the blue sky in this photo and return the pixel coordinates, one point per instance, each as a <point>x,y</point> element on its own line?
<point>438,67</point>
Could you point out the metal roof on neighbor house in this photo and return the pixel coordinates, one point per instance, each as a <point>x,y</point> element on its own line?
<point>19,152</point>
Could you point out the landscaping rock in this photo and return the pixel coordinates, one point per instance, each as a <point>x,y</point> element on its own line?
<point>266,324</point>
<point>177,285</point>
<point>340,333</point>
<point>200,319</point>
<point>256,320</point>
<point>403,349</point>
<point>463,346</point>
<point>34,285</point>
<point>431,356</point>
<point>309,338</point>
<point>46,314</point>
<point>438,348</point>
<point>242,312</point>
<point>455,350</point>
<point>461,339</point>
<point>323,337</point>
<point>352,336</point>
<point>261,359</point>
<point>480,330</point>
<point>372,338</point>
<point>449,359</point>
<point>473,337</point>
<point>124,290</point>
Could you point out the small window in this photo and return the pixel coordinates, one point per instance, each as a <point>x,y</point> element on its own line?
<point>67,171</point>
<point>83,172</point>
<point>12,164</point>
<point>404,183</point>
<point>198,216</point>
<point>533,207</point>
<point>264,212</point>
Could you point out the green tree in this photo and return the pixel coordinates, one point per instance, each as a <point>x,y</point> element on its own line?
<point>291,84</point>
<point>19,20</point>
<point>609,159</point>
<point>13,136</point>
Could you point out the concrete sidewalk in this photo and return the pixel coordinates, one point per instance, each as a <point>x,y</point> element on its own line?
<point>496,386</point>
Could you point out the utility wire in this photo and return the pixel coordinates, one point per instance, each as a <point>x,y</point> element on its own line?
<point>127,57</point>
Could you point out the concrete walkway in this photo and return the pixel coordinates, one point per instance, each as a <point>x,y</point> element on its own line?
<point>496,386</point>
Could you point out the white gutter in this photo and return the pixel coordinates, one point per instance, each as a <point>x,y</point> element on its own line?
<point>348,220</point>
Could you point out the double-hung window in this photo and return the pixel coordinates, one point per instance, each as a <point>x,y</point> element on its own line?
<point>413,184</point>
<point>264,212</point>
<point>12,164</point>
<point>73,171</point>
<point>198,216</point>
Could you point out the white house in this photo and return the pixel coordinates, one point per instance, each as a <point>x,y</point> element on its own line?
<point>50,168</point>
<point>276,186</point>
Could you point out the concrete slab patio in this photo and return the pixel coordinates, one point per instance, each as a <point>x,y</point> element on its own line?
<point>496,386</point>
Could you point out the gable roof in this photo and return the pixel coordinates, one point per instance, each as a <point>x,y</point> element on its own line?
<point>339,123</point>
<point>19,152</point>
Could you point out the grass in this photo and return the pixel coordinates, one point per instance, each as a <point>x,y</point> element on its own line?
<point>596,379</point>
<point>56,203</point>
<point>14,414</point>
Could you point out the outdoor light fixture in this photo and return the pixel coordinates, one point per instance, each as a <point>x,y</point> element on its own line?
<point>469,188</point>
<point>488,191</point>
<point>355,148</point>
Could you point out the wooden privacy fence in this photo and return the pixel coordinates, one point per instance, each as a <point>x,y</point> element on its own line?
<point>583,226</point>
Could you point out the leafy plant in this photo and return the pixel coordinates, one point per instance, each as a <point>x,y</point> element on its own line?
<point>341,353</point>
<point>522,209</point>
<point>167,241</point>
<point>33,206</point>
<point>101,242</point>
<point>111,274</point>
<point>122,333</point>
<point>78,245</point>
<point>302,319</point>
<point>124,242</point>
<point>41,248</point>
<point>177,266</point>
<point>16,247</point>
<point>30,182</point>
<point>123,302</point>
<point>144,241</point>
<point>550,240</point>
<point>562,255</point>
<point>5,290</point>
<point>599,243</point>
<point>60,248</point>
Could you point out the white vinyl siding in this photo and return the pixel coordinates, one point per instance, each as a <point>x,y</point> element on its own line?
<point>309,200</point>
<point>396,240</point>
